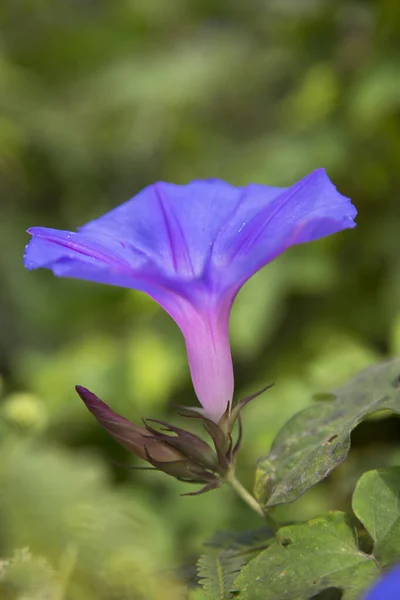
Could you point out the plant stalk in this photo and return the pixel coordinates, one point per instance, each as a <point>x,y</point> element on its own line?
<point>246,496</point>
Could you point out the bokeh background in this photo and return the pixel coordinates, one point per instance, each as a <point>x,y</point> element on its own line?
<point>98,99</point>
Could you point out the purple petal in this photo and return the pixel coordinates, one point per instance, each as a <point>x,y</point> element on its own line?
<point>173,225</point>
<point>191,248</point>
<point>387,588</point>
<point>263,227</point>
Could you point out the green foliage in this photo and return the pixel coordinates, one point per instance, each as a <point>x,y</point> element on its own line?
<point>376,502</point>
<point>244,542</point>
<point>28,577</point>
<point>317,439</point>
<point>327,553</point>
<point>198,594</point>
<point>64,509</point>
<point>217,574</point>
<point>306,559</point>
<point>218,569</point>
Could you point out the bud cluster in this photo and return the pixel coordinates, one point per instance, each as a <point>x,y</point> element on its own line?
<point>175,451</point>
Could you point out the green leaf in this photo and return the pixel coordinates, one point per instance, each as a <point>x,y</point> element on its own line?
<point>218,572</point>
<point>306,559</point>
<point>376,502</point>
<point>197,594</point>
<point>218,569</point>
<point>317,439</point>
<point>251,540</point>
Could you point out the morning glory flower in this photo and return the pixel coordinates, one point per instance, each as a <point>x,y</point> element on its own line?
<point>387,588</point>
<point>191,248</point>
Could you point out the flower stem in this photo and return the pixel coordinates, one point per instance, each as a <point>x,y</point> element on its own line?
<point>245,495</point>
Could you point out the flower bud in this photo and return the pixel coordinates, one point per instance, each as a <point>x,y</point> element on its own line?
<point>172,450</point>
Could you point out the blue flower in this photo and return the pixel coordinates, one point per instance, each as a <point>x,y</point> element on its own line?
<point>387,588</point>
<point>191,248</point>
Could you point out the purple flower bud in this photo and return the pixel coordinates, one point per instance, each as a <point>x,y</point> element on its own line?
<point>191,248</point>
<point>133,438</point>
<point>182,455</point>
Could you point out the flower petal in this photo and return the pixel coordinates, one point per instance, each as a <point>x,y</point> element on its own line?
<point>173,225</point>
<point>197,240</point>
<point>191,247</point>
<point>101,259</point>
<point>387,588</point>
<point>263,227</point>
<point>206,335</point>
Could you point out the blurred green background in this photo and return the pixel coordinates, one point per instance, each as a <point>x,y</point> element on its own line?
<point>98,99</point>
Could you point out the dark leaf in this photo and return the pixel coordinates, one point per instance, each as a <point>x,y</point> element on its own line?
<point>306,559</point>
<point>317,440</point>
